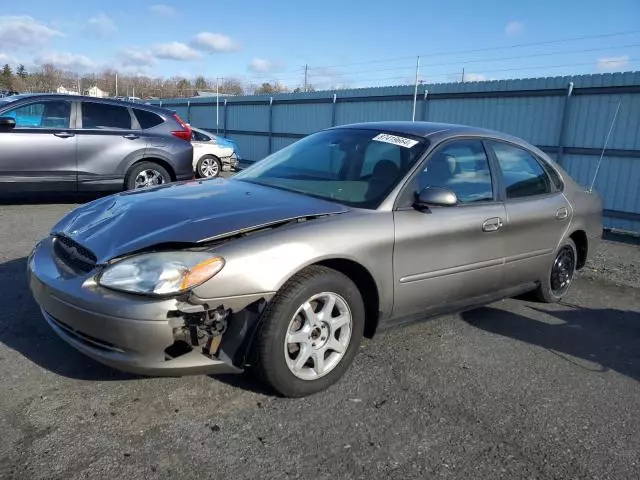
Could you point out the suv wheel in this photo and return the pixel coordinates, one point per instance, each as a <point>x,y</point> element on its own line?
<point>146,174</point>
<point>310,332</point>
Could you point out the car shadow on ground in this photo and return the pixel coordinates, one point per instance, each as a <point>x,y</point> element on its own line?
<point>24,330</point>
<point>608,339</point>
<point>43,198</point>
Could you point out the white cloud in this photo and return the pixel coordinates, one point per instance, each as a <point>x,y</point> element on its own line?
<point>475,77</point>
<point>163,10</point>
<point>24,31</point>
<point>6,58</point>
<point>262,65</point>
<point>327,77</point>
<point>214,42</point>
<point>613,63</point>
<point>175,51</point>
<point>514,28</point>
<point>66,61</point>
<point>101,25</point>
<point>134,57</point>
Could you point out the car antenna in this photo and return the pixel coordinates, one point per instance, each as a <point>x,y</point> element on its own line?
<point>606,141</point>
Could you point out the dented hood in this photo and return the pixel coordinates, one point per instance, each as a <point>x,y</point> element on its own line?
<point>189,212</point>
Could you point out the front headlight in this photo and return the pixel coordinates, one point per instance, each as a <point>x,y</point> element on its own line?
<point>161,273</point>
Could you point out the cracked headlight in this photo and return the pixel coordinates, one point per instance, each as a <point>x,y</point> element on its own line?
<point>161,273</point>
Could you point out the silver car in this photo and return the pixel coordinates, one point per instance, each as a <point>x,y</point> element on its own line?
<point>72,143</point>
<point>289,264</point>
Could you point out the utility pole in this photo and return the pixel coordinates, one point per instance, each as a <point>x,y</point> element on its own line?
<point>415,90</point>
<point>462,74</point>
<point>116,84</point>
<point>217,105</point>
<point>306,77</point>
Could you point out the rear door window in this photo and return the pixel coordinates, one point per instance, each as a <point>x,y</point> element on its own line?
<point>522,174</point>
<point>103,116</point>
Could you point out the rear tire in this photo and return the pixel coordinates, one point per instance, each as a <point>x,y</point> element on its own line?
<point>209,166</point>
<point>317,316</point>
<point>560,276</point>
<point>146,174</point>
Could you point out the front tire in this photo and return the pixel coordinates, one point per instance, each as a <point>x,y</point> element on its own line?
<point>209,166</point>
<point>310,332</point>
<point>560,277</point>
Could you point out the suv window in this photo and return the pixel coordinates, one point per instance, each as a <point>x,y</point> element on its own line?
<point>46,114</point>
<point>147,119</point>
<point>522,174</point>
<point>104,116</point>
<point>462,167</point>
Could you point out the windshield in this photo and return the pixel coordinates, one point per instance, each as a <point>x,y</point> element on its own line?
<point>354,167</point>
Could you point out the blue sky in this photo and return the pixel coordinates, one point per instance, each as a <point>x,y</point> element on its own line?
<point>345,43</point>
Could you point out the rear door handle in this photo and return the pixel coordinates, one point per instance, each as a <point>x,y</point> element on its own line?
<point>131,136</point>
<point>492,224</point>
<point>562,213</point>
<point>64,134</point>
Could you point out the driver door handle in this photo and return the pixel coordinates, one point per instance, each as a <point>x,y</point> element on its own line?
<point>64,134</point>
<point>492,224</point>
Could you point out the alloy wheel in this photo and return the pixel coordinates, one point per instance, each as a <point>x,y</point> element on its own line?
<point>562,271</point>
<point>149,178</point>
<point>209,167</point>
<point>318,336</point>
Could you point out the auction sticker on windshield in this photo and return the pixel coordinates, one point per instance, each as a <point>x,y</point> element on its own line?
<point>395,140</point>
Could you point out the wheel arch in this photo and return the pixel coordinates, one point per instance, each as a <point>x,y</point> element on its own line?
<point>581,241</point>
<point>155,159</point>
<point>361,277</point>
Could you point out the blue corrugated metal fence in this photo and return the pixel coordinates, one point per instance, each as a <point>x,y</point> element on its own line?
<point>568,117</point>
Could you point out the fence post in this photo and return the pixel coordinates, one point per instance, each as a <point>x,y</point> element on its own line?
<point>333,110</point>
<point>224,122</point>
<point>270,124</point>
<point>564,120</point>
<point>189,112</point>
<point>425,111</point>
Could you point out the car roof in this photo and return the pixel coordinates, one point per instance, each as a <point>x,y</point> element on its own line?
<point>110,101</point>
<point>422,129</point>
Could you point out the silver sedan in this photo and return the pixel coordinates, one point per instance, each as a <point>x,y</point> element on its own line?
<point>286,266</point>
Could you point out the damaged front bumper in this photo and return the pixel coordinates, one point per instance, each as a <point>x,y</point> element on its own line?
<point>230,163</point>
<point>148,336</point>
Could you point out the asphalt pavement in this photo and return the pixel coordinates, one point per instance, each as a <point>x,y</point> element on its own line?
<point>513,390</point>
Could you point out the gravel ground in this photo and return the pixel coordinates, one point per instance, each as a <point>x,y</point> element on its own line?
<point>617,260</point>
<point>513,390</point>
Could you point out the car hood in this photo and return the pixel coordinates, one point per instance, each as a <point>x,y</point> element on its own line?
<point>190,212</point>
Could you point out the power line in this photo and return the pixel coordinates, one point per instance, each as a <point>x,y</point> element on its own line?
<point>487,49</point>
<point>449,74</point>
<point>488,60</point>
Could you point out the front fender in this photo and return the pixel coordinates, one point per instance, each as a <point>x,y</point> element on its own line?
<point>263,262</point>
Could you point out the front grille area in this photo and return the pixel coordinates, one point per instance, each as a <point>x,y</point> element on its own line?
<point>73,254</point>
<point>84,338</point>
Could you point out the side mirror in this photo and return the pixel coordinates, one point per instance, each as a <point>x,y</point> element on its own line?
<point>435,197</point>
<point>7,123</point>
